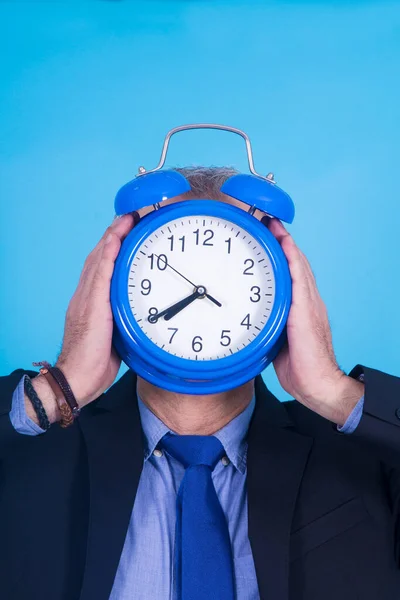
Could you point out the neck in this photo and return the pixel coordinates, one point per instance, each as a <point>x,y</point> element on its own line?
<point>195,415</point>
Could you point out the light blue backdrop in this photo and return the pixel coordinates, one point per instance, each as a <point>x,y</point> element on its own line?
<point>88,91</point>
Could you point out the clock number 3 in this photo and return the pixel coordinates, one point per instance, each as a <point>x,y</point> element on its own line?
<point>256,297</point>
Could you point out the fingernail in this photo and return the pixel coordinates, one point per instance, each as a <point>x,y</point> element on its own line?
<point>266,220</point>
<point>108,238</point>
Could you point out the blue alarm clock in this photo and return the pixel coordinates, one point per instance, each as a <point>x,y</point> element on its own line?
<point>201,289</point>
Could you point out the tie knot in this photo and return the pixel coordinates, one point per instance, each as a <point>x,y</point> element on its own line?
<point>193,450</point>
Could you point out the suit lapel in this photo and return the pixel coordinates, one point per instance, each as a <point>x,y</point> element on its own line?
<point>276,459</point>
<point>113,437</point>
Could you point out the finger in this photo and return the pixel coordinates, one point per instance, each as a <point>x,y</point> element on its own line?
<point>121,226</point>
<point>283,237</point>
<point>277,229</point>
<point>288,245</point>
<point>300,281</point>
<point>308,272</point>
<point>310,276</point>
<point>315,295</point>
<point>116,233</point>
<point>300,287</point>
<point>308,268</point>
<point>292,252</point>
<point>105,266</point>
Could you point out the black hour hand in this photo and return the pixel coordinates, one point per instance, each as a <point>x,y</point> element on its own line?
<point>176,308</point>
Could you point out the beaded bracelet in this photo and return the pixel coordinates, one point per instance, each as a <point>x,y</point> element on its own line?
<point>41,414</point>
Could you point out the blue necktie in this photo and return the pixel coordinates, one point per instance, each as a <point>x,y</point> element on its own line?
<point>203,554</point>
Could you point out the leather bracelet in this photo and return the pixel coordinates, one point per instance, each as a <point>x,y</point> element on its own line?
<point>36,402</point>
<point>67,417</point>
<point>59,376</point>
<point>66,388</point>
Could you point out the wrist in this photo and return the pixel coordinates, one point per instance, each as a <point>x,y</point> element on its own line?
<point>341,396</point>
<point>69,372</point>
<point>48,399</point>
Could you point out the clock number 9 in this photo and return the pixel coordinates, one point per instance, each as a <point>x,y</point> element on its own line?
<point>197,346</point>
<point>146,287</point>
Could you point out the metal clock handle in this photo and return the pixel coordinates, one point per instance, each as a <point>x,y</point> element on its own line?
<point>269,177</point>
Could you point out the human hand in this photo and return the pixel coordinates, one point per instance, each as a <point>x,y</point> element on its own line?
<point>306,367</point>
<point>87,358</point>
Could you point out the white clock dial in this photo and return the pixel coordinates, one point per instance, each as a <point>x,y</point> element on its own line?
<point>179,258</point>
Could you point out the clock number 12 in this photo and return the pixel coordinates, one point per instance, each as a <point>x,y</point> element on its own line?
<point>207,241</point>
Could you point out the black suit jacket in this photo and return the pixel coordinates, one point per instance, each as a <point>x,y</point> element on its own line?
<point>323,507</point>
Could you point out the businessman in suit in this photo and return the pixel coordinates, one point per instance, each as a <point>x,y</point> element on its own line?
<point>305,494</point>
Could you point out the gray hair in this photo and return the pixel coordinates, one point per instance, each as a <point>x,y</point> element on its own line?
<point>205,182</point>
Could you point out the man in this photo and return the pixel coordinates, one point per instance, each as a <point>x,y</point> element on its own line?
<point>309,489</point>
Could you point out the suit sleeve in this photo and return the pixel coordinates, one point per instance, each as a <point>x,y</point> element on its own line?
<point>354,418</point>
<point>380,420</point>
<point>8,435</point>
<point>379,427</point>
<point>18,415</point>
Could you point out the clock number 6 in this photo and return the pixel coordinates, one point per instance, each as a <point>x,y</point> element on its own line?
<point>197,346</point>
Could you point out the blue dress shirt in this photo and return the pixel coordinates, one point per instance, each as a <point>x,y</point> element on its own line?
<point>145,570</point>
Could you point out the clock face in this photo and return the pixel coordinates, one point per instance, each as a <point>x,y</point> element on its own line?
<point>201,287</point>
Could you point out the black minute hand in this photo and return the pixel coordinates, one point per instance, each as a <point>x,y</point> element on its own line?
<point>176,308</point>
<point>191,282</point>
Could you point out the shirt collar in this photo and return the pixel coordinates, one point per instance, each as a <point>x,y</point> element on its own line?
<point>232,436</point>
<point>153,428</point>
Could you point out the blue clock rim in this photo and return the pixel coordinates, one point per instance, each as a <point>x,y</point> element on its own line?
<point>148,351</point>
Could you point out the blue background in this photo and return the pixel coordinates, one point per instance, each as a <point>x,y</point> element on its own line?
<point>88,91</point>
